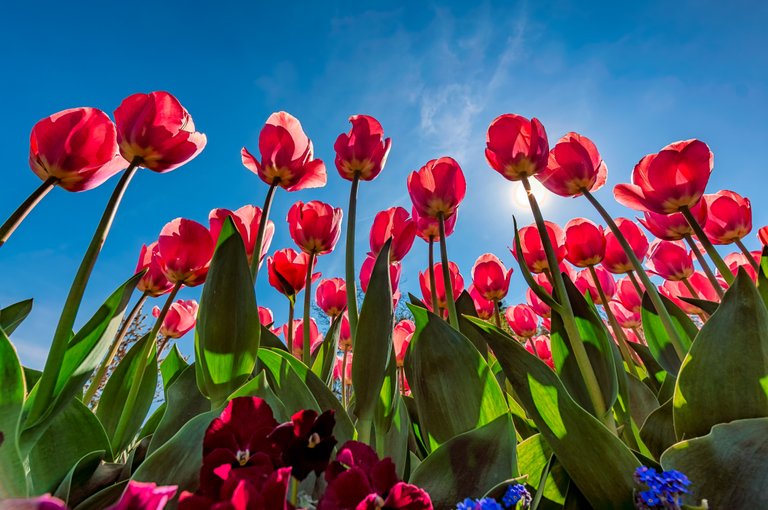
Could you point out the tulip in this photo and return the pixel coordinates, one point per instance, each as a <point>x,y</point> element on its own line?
<point>616,259</point>
<point>625,317</point>
<point>144,496</point>
<point>574,164</point>
<point>363,151</point>
<point>456,283</point>
<point>584,242</point>
<point>288,272</point>
<point>401,338</point>
<point>437,188</point>
<point>179,320</point>
<point>696,286</point>
<point>633,335</point>
<point>393,223</point>
<point>762,235</point>
<point>297,331</point>
<point>735,261</point>
<point>366,271</point>
<point>522,320</point>
<point>156,132</point>
<point>185,249</point>
<point>345,335</point>
<point>266,318</point>
<point>543,351</point>
<point>729,217</point>
<point>153,283</point>
<point>315,227</point>
<point>331,296</point>
<point>596,281</point>
<point>485,308</point>
<point>672,227</point>
<point>75,149</point>
<point>427,227</point>
<point>490,277</point>
<point>537,305</point>
<point>534,254</point>
<point>516,147</point>
<point>628,296</point>
<point>342,371</point>
<point>670,260</point>
<point>670,181</point>
<point>247,220</point>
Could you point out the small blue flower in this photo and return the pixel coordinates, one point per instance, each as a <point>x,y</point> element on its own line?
<point>515,494</point>
<point>665,489</point>
<point>479,504</point>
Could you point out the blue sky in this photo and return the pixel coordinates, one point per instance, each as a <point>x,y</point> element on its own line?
<point>632,77</point>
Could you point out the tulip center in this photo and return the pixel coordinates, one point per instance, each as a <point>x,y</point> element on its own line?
<point>314,440</point>
<point>519,169</point>
<point>242,456</point>
<point>379,502</point>
<point>279,175</point>
<point>357,168</point>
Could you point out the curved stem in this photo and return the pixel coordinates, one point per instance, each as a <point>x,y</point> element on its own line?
<point>61,336</point>
<point>432,288</point>
<point>453,317</point>
<point>725,272</point>
<point>639,334</point>
<point>704,266</point>
<point>256,257</point>
<point>703,315</point>
<point>307,351</point>
<point>102,371</point>
<point>636,284</point>
<point>289,332</point>
<point>350,262</point>
<point>344,378</point>
<point>746,253</point>
<point>21,212</point>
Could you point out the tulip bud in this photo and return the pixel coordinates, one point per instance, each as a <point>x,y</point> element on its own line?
<point>616,260</point>
<point>179,320</point>
<point>287,271</point>
<point>363,151</point>
<point>437,188</point>
<point>331,296</point>
<point>185,248</point>
<point>315,227</point>
<point>670,260</point>
<point>574,165</point>
<point>247,220</point>
<point>522,320</point>
<point>401,338</point>
<point>729,217</point>
<point>516,147</point>
<point>584,242</point>
<point>490,277</point>
<point>457,281</point>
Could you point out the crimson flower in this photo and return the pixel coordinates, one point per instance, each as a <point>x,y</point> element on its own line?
<point>584,242</point>
<point>287,271</point>
<point>674,290</point>
<point>185,249</point>
<point>247,220</point>
<point>331,296</point>
<point>670,260</point>
<point>729,217</point>
<point>522,320</point>
<point>574,164</point>
<point>586,283</point>
<point>672,227</point>
<point>627,295</point>
<point>306,442</point>
<point>543,349</point>
<point>315,337</point>
<point>427,227</point>
<point>516,147</point>
<point>266,318</point>
<point>762,235</point>
<point>437,188</point>
<point>616,260</point>
<point>315,227</point>
<point>401,338</point>
<point>363,151</point>
<point>179,320</point>
<point>457,281</point>
<point>154,282</point>
<point>485,308</point>
<point>393,223</point>
<point>533,248</point>
<point>490,277</point>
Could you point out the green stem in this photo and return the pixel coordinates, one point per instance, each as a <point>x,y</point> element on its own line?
<point>453,317</point>
<point>306,353</point>
<point>15,219</point>
<point>350,262</point>
<point>650,289</point>
<point>47,383</point>
<point>704,265</point>
<point>725,272</point>
<point>289,331</point>
<point>746,253</point>
<point>497,313</point>
<point>144,357</point>
<point>432,288</point>
<point>636,284</point>
<point>256,258</point>
<point>105,364</point>
<point>569,320</point>
<point>343,378</point>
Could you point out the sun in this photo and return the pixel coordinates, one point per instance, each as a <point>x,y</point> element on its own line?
<point>520,197</point>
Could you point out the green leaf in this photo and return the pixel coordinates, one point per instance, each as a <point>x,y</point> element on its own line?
<point>104,498</point>
<point>228,328</point>
<point>259,387</point>
<point>533,455</point>
<point>656,374</point>
<point>726,467</point>
<point>322,365</point>
<point>656,335</point>
<point>642,401</point>
<point>72,434</point>
<point>469,464</point>
<point>13,315</point>
<point>443,369</point>
<point>604,474</point>
<point>373,339</point>
<point>270,340</point>
<point>658,432</point>
<point>171,366</point>
<point>725,375</point>
<point>393,441</point>
<point>708,307</point>
<point>762,276</point>
<point>13,482</point>
<point>81,471</point>
<point>465,306</point>
<point>386,404</point>
<point>111,408</point>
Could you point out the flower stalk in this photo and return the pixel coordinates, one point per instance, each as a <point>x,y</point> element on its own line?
<point>256,258</point>
<point>21,212</point>
<point>725,272</point>
<point>453,317</point>
<point>351,280</point>
<point>306,352</point>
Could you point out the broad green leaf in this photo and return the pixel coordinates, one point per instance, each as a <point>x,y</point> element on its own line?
<point>656,374</point>
<point>465,306</point>
<point>725,375</point>
<point>81,471</point>
<point>13,482</point>
<point>470,464</point>
<point>727,467</point>
<point>393,441</point>
<point>150,425</point>
<point>270,340</point>
<point>111,408</point>
<point>13,315</point>
<point>259,387</point>
<point>642,401</point>
<point>658,431</point>
<point>373,339</point>
<point>171,366</point>
<point>533,455</point>
<point>322,365</point>
<point>31,376</point>
<point>72,434</point>
<point>228,328</point>
<point>657,338</point>
<point>708,307</point>
<point>604,474</point>
<point>104,498</point>
<point>762,276</point>
<point>454,389</point>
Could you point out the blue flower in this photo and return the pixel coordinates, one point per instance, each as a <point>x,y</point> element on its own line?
<point>479,504</point>
<point>665,489</point>
<point>515,494</point>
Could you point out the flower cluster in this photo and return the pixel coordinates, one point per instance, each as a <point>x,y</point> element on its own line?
<point>515,497</point>
<point>665,489</point>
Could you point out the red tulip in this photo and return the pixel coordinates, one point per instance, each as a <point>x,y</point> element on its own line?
<point>331,296</point>
<point>585,283</point>
<point>543,349</point>
<point>185,248</point>
<point>154,282</point>
<point>584,242</point>
<point>672,227</point>
<point>522,320</point>
<point>140,496</point>
<point>516,147</point>
<point>574,164</point>
<point>485,308</point>
<point>287,158</point>
<point>77,147</point>
<point>537,305</point>
<point>665,182</point>
<point>533,249</point>
<point>266,318</point>
<point>345,335</point>
<point>393,223</point>
<point>616,260</point>
<point>366,270</point>
<point>762,234</point>
<point>457,281</point>
<point>315,337</point>
<point>157,132</point>
<point>338,368</point>
<point>729,217</point>
<point>490,277</point>
<point>626,318</point>
<point>437,188</point>
<point>315,227</point>
<point>734,261</point>
<point>288,271</point>
<point>363,151</point>
<point>670,260</point>
<point>401,338</point>
<point>427,227</point>
<point>179,320</point>
<point>628,296</point>
<point>700,283</point>
<point>247,220</point>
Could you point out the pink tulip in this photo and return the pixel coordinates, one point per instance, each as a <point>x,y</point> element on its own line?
<point>628,296</point>
<point>670,260</point>
<point>543,349</point>
<point>338,368</point>
<point>144,496</point>
<point>672,227</point>
<point>401,338</point>
<point>490,277</point>
<point>633,337</point>
<point>315,337</point>
<point>363,151</point>
<point>185,249</point>
<point>537,305</point>
<point>522,320</point>
<point>393,223</point>
<point>179,320</point>
<point>700,283</point>
<point>585,283</point>
<point>331,296</point>
<point>153,283</point>
<point>44,502</point>
<point>584,242</point>
<point>626,318</point>
<point>345,334</point>
<point>729,217</point>
<point>247,220</point>
<point>366,270</point>
<point>734,261</point>
<point>287,271</point>
<point>437,188</point>
<point>315,227</point>
<point>516,147</point>
<point>427,227</point>
<point>457,281</point>
<point>533,248</point>
<point>762,235</point>
<point>574,164</point>
<point>616,260</point>
<point>485,308</point>
<point>266,318</point>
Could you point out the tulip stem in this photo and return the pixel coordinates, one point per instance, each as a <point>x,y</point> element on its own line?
<point>143,356</point>
<point>61,336</point>
<point>256,257</point>
<point>102,371</point>
<point>650,289</point>
<point>725,272</point>
<point>15,219</point>
<point>453,317</point>
<point>695,295</point>
<point>636,284</point>
<point>704,265</point>
<point>350,262</point>
<point>569,320</point>
<point>344,378</point>
<point>746,253</point>
<point>621,338</point>
<point>307,351</point>
<point>432,287</point>
<point>289,332</point>
<point>497,313</point>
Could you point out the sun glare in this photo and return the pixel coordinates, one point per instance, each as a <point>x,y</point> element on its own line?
<point>520,198</point>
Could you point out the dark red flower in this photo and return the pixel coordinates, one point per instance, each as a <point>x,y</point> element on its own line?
<point>306,442</point>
